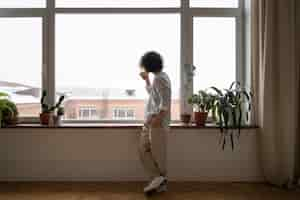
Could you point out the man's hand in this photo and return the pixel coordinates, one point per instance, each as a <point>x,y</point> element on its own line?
<point>144,76</point>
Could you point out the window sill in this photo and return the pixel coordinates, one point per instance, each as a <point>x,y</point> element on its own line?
<point>116,126</point>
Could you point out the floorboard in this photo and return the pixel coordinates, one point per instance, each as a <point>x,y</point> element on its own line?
<point>133,191</point>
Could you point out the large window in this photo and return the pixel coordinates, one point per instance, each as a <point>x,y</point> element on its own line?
<point>21,62</point>
<point>90,50</point>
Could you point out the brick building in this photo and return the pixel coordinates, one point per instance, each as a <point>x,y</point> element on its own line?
<point>86,103</point>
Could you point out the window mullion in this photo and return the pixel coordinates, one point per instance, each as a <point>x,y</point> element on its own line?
<point>240,50</point>
<point>50,76</point>
<point>186,87</point>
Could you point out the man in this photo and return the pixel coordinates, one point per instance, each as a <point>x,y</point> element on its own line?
<point>153,142</point>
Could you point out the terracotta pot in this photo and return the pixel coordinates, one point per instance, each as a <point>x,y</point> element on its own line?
<point>9,121</point>
<point>185,118</point>
<point>200,118</point>
<point>13,121</point>
<point>44,118</point>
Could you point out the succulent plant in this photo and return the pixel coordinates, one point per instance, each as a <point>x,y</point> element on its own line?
<point>8,110</point>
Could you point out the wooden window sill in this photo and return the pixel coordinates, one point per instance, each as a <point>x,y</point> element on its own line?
<point>115,126</point>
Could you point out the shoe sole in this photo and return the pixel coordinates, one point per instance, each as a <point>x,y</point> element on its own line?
<point>161,188</point>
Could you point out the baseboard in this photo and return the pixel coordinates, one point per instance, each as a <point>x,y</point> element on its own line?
<point>109,170</point>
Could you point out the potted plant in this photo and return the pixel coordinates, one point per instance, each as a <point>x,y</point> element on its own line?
<point>60,113</point>
<point>48,111</point>
<point>8,111</point>
<point>232,108</point>
<point>185,118</point>
<point>202,102</point>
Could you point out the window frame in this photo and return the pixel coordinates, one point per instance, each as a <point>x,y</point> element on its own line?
<point>186,13</point>
<point>125,109</point>
<point>87,108</point>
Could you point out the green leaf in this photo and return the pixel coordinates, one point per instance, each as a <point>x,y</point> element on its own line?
<point>240,120</point>
<point>3,94</point>
<point>235,83</point>
<point>232,141</point>
<point>219,92</point>
<point>246,95</point>
<point>224,143</point>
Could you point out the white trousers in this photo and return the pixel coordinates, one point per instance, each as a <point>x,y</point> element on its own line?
<point>153,150</point>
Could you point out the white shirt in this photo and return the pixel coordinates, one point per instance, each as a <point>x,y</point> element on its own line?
<point>159,98</point>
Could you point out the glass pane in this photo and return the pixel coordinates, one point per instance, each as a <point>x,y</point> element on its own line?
<point>214,52</point>
<point>119,3</point>
<point>21,62</point>
<point>97,57</point>
<point>22,3</point>
<point>215,3</point>
<point>130,113</point>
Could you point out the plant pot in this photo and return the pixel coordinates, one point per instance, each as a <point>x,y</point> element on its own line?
<point>58,120</point>
<point>185,118</point>
<point>200,118</point>
<point>10,120</point>
<point>44,118</point>
<point>13,121</point>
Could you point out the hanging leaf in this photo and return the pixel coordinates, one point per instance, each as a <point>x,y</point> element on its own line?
<point>219,92</point>
<point>246,95</point>
<point>224,143</point>
<point>240,120</point>
<point>236,83</point>
<point>232,142</point>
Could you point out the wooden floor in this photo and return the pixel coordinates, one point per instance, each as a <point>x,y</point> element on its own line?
<point>133,191</point>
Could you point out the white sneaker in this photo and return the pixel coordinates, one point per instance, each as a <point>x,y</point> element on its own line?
<point>156,184</point>
<point>162,188</point>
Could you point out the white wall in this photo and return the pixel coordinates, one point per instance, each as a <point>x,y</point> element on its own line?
<point>97,154</point>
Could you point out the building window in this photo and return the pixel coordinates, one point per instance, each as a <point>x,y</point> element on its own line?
<point>123,114</point>
<point>90,50</point>
<point>88,113</point>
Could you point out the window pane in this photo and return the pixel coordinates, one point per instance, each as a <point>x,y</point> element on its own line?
<point>21,62</point>
<point>214,52</point>
<point>215,3</point>
<point>97,57</point>
<point>119,3</point>
<point>22,3</point>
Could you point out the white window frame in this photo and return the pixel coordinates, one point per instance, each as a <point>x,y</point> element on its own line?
<point>186,55</point>
<point>125,109</point>
<point>89,109</point>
